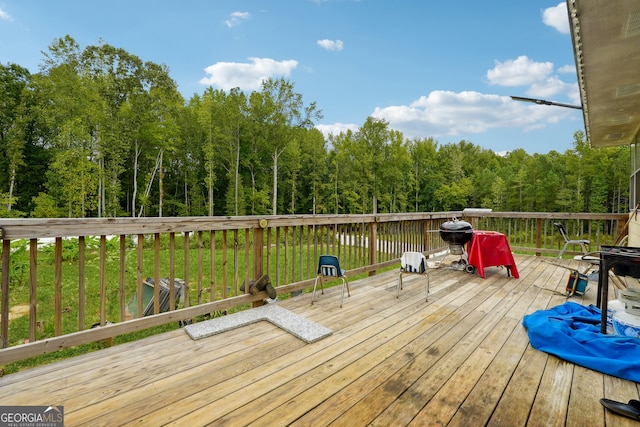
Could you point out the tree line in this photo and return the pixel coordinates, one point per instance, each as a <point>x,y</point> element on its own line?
<point>98,132</point>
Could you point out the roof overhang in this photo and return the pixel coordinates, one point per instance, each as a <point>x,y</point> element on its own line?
<point>606,45</point>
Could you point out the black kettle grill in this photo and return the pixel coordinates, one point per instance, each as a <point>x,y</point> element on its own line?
<point>456,234</point>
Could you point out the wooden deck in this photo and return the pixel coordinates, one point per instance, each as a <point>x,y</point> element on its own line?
<point>462,359</point>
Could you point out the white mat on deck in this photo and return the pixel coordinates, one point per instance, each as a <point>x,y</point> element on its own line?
<point>293,323</point>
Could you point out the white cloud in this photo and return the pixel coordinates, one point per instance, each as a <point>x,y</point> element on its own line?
<point>451,114</point>
<point>459,115</point>
<point>246,76</point>
<point>237,18</point>
<point>551,87</point>
<point>327,44</point>
<point>557,17</point>
<point>5,16</point>
<point>336,128</point>
<point>566,69</point>
<point>539,77</point>
<point>519,72</point>
<point>447,114</point>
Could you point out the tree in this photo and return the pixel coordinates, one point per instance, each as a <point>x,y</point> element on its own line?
<point>186,173</point>
<point>454,195</point>
<point>234,119</point>
<point>116,139</point>
<point>425,168</point>
<point>516,179</point>
<point>149,128</point>
<point>72,175</point>
<point>291,173</point>
<point>279,110</point>
<point>342,173</point>
<point>315,189</point>
<point>456,188</point>
<point>13,120</point>
<point>166,104</point>
<point>371,140</point>
<point>397,178</point>
<point>70,108</point>
<point>210,118</point>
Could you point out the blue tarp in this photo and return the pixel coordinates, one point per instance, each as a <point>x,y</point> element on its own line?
<point>572,332</point>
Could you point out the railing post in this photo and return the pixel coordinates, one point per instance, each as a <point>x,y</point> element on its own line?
<point>373,244</point>
<point>103,279</point>
<point>258,245</point>
<point>156,273</point>
<point>426,226</point>
<point>140,249</point>
<point>538,235</point>
<point>4,318</point>
<point>57,286</point>
<point>186,286</point>
<point>33,291</point>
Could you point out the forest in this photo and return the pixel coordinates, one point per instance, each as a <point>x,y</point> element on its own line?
<point>98,132</point>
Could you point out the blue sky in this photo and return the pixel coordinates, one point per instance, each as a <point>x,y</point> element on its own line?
<point>431,68</point>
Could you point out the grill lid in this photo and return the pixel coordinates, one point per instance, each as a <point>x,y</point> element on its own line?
<point>456,225</point>
<point>456,232</point>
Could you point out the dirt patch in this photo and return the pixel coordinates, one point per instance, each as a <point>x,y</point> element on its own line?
<point>18,311</point>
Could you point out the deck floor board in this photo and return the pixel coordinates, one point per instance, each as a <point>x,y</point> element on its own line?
<point>461,358</point>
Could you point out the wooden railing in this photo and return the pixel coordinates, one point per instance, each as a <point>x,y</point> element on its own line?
<point>60,277</point>
<point>534,232</point>
<point>67,282</point>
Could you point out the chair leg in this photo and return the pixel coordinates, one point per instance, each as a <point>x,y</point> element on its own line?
<point>345,282</point>
<point>564,248</point>
<point>585,249</point>
<point>313,295</point>
<point>399,286</point>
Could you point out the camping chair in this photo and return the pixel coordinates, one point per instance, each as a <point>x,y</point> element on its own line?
<point>329,266</point>
<point>413,263</point>
<point>584,244</point>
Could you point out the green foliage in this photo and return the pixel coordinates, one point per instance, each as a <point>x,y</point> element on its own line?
<point>45,207</point>
<point>454,195</point>
<point>19,267</point>
<point>99,132</point>
<point>7,201</point>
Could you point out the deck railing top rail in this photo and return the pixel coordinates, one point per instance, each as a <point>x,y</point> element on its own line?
<point>35,228</point>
